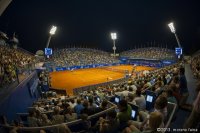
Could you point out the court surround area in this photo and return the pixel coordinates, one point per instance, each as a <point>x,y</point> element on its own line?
<point>68,80</point>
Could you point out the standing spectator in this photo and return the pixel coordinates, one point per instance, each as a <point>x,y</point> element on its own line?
<point>183,87</point>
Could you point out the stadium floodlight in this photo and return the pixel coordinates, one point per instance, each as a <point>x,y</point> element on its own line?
<point>114,37</point>
<point>51,32</point>
<point>171,26</point>
<point>173,30</point>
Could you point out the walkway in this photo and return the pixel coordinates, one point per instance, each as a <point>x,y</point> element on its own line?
<point>182,115</point>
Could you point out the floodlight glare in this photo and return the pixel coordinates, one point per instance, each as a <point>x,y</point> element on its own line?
<point>114,36</point>
<point>53,30</point>
<point>172,28</point>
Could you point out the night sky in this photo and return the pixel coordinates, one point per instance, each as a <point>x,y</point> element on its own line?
<point>88,23</point>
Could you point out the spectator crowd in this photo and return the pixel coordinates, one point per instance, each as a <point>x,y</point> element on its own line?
<point>150,53</point>
<point>168,84</point>
<point>10,60</point>
<point>81,56</point>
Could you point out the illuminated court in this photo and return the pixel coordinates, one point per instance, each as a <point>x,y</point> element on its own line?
<point>68,80</point>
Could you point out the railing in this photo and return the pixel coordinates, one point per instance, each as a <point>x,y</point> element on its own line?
<point>172,112</point>
<point>16,73</point>
<point>79,90</point>
<point>28,129</point>
<point>20,74</point>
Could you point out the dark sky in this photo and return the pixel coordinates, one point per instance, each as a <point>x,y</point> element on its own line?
<point>89,23</point>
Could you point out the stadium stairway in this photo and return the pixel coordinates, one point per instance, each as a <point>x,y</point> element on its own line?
<point>182,115</point>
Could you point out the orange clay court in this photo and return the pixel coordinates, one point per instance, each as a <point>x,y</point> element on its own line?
<point>68,80</point>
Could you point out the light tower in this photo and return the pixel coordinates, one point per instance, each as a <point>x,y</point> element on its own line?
<point>114,37</point>
<point>173,30</point>
<point>51,32</point>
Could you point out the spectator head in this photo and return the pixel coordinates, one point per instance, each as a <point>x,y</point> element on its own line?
<point>176,79</point>
<point>155,120</point>
<point>111,115</point>
<point>90,101</point>
<point>130,89</point>
<point>85,104</point>
<point>78,101</point>
<point>72,100</point>
<point>63,128</point>
<point>169,92</point>
<point>159,84</point>
<point>123,105</point>
<point>138,92</point>
<point>161,102</point>
<point>182,70</point>
<point>56,110</point>
<point>84,116</point>
<point>32,113</point>
<point>44,117</point>
<point>104,104</point>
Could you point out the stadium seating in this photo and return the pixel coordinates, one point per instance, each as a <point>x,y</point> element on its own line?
<point>13,62</point>
<point>81,57</point>
<point>149,53</point>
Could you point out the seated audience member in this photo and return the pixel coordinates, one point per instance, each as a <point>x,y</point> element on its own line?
<point>140,100</point>
<point>57,118</point>
<point>168,93</point>
<point>86,109</point>
<point>160,106</point>
<point>44,121</point>
<point>91,105</point>
<point>64,107</point>
<point>72,103</point>
<point>176,93</point>
<point>131,91</point>
<point>110,124</point>
<point>131,99</point>
<point>125,92</point>
<point>16,125</point>
<point>175,83</point>
<point>79,107</point>
<point>133,87</point>
<point>124,113</point>
<point>63,128</point>
<point>158,87</point>
<point>32,120</point>
<point>86,124</point>
<point>155,121</point>
<point>70,115</point>
<point>102,107</point>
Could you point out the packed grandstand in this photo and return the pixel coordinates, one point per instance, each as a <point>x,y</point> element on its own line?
<point>148,102</point>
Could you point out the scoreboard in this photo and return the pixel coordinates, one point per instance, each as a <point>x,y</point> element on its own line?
<point>48,51</point>
<point>178,51</point>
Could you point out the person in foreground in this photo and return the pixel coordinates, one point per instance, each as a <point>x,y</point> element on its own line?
<point>155,121</point>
